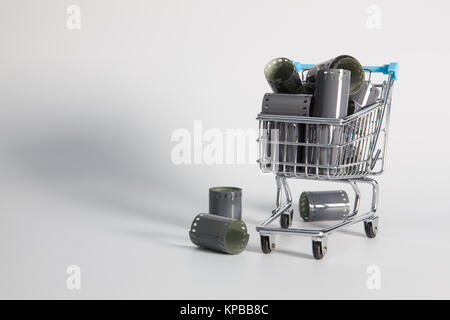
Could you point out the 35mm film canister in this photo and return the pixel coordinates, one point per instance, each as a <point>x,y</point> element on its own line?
<point>331,101</point>
<point>331,93</point>
<point>226,202</point>
<point>219,233</point>
<point>324,205</point>
<point>365,96</point>
<point>282,76</point>
<point>286,104</point>
<point>342,62</point>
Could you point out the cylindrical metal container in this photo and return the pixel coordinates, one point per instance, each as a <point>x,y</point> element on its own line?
<point>342,62</point>
<point>286,104</point>
<point>365,96</point>
<point>226,202</point>
<point>331,101</point>
<point>291,105</point>
<point>282,76</point>
<point>324,205</point>
<point>219,233</point>
<point>331,93</point>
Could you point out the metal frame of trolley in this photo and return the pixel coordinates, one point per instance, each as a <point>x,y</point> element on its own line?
<point>359,145</point>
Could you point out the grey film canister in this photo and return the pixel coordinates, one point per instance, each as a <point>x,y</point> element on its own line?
<point>226,202</point>
<point>365,96</point>
<point>331,101</point>
<point>219,233</point>
<point>331,93</point>
<point>324,205</point>
<point>342,62</point>
<point>286,104</point>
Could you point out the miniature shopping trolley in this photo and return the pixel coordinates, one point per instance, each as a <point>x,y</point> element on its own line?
<point>353,150</point>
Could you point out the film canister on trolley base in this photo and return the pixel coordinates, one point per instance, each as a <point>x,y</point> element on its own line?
<point>324,205</point>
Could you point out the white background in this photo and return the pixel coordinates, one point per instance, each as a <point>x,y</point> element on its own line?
<point>86,176</point>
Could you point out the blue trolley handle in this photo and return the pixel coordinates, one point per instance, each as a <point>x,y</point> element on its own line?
<point>384,69</point>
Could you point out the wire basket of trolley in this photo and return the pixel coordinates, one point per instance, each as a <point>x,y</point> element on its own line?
<point>324,122</point>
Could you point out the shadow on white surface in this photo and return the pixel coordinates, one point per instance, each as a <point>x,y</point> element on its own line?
<point>99,164</point>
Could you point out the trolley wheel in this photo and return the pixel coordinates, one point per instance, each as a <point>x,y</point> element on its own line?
<point>370,228</point>
<point>286,219</point>
<point>265,244</point>
<point>319,249</point>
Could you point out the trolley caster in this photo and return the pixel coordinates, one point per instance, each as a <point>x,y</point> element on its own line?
<point>319,247</point>
<point>371,227</point>
<point>286,219</point>
<point>266,244</point>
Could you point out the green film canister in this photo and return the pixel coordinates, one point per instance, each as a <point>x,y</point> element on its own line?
<point>282,76</point>
<point>219,233</point>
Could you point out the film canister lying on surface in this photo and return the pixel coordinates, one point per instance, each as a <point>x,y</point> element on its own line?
<point>226,202</point>
<point>324,205</point>
<point>219,233</point>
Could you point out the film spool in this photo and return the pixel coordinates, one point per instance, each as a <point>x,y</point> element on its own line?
<point>324,205</point>
<point>331,93</point>
<point>282,76</point>
<point>341,62</point>
<point>219,233</point>
<point>367,95</point>
<point>331,101</point>
<point>226,202</point>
